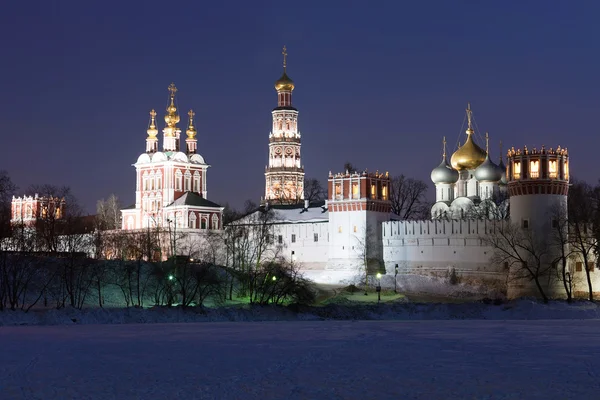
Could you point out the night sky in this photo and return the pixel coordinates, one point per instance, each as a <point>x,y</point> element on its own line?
<point>377,84</point>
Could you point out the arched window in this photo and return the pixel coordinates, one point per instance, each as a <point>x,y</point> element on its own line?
<point>193,220</point>
<point>178,179</point>
<point>566,169</point>
<point>196,182</point>
<point>158,181</point>
<point>534,169</point>
<point>145,181</point>
<point>516,170</point>
<point>188,181</point>
<point>215,222</point>
<point>203,221</point>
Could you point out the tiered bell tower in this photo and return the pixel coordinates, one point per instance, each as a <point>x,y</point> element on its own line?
<point>284,176</point>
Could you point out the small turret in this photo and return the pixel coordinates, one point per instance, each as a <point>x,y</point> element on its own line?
<point>152,140</point>
<point>191,134</point>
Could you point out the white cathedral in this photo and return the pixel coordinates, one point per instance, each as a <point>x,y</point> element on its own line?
<point>354,227</point>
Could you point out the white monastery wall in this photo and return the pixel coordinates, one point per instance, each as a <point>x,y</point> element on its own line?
<point>306,243</point>
<point>435,249</point>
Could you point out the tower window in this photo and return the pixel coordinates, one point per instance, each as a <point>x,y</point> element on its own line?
<point>280,239</point>
<point>373,191</point>
<point>384,192</point>
<point>534,169</point>
<point>552,169</point>
<point>316,237</point>
<point>554,223</point>
<point>516,170</point>
<point>566,169</point>
<point>293,238</point>
<point>355,190</point>
<point>355,229</point>
<point>525,224</point>
<point>339,229</point>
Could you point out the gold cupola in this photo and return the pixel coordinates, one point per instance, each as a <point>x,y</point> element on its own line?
<point>469,155</point>
<point>172,118</point>
<point>152,131</point>
<point>284,83</point>
<point>191,130</point>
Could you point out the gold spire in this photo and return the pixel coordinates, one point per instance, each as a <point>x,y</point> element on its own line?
<point>172,118</point>
<point>152,131</point>
<point>284,83</point>
<point>469,119</point>
<point>191,130</point>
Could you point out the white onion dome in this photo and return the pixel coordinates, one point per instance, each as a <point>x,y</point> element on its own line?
<point>488,171</point>
<point>444,173</point>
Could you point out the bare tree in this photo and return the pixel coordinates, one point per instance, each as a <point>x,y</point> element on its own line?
<point>495,207</point>
<point>348,166</point>
<point>366,249</point>
<point>560,240</point>
<point>108,213</point>
<point>581,215</point>
<point>7,190</point>
<point>527,255</point>
<point>407,196</point>
<point>314,190</point>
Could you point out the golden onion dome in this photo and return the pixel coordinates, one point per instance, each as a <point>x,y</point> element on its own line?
<point>191,130</point>
<point>469,155</point>
<point>284,83</point>
<point>152,131</point>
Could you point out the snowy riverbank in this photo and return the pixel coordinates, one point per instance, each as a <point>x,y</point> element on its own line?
<point>524,309</point>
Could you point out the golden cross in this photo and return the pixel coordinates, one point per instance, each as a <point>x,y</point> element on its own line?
<point>153,114</point>
<point>284,52</point>
<point>469,115</point>
<point>172,89</point>
<point>191,114</point>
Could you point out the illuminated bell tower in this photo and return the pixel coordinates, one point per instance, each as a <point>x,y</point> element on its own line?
<point>284,176</point>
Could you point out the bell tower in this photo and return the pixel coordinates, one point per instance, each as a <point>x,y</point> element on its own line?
<point>284,175</point>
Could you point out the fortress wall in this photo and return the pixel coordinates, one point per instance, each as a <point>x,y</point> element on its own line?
<point>442,257</point>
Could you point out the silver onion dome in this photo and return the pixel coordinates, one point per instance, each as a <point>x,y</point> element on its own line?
<point>488,171</point>
<point>502,167</point>
<point>444,173</point>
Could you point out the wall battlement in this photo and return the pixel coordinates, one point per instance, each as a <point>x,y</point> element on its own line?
<point>438,229</point>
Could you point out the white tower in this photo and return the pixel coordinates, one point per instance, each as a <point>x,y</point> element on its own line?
<point>358,202</point>
<point>538,185</point>
<point>284,176</point>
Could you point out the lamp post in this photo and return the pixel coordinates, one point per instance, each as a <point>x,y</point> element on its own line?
<point>395,277</point>
<point>378,288</point>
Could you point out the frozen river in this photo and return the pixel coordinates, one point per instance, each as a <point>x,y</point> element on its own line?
<point>557,359</point>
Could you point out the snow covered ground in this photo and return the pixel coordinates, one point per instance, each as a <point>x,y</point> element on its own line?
<point>467,359</point>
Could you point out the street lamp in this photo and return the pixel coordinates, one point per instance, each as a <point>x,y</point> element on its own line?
<point>378,288</point>
<point>395,277</point>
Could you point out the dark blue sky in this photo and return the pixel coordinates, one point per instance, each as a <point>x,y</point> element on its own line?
<point>377,84</point>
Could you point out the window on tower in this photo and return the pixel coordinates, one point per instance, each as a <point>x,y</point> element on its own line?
<point>355,193</point>
<point>338,191</point>
<point>566,169</point>
<point>373,191</point>
<point>516,170</point>
<point>384,193</point>
<point>552,169</point>
<point>534,169</point>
